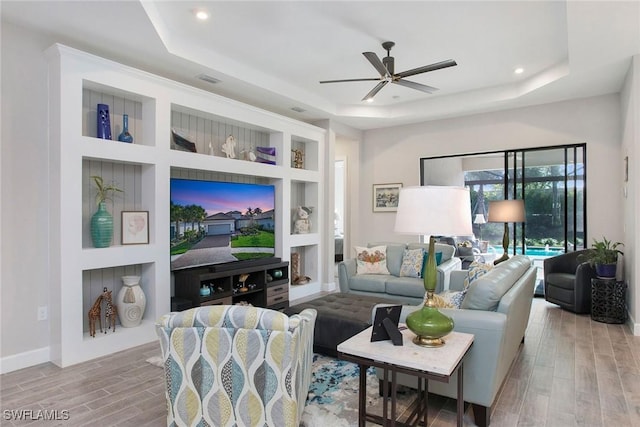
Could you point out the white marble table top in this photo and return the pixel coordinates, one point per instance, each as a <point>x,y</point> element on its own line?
<point>438,360</point>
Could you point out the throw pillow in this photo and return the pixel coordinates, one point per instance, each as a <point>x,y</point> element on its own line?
<point>447,299</point>
<point>412,263</point>
<point>371,260</point>
<point>426,255</point>
<point>476,270</point>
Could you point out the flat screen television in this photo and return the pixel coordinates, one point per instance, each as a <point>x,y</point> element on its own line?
<point>214,222</point>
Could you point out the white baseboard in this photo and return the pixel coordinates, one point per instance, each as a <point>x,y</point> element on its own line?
<point>24,360</point>
<point>633,325</point>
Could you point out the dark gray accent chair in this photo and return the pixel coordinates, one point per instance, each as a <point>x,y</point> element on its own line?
<point>567,281</point>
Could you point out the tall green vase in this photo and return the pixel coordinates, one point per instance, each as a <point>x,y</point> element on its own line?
<point>102,227</point>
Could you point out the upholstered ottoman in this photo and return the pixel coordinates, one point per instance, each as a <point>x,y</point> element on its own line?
<point>340,316</point>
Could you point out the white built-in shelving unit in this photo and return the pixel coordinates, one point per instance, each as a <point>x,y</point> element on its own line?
<point>155,105</point>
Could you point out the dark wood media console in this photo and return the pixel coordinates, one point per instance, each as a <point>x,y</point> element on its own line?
<point>262,287</point>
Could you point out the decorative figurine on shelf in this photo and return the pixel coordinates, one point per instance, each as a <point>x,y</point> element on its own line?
<point>95,313</point>
<point>125,136</point>
<point>297,277</point>
<point>110,311</point>
<point>302,224</point>
<point>229,147</point>
<point>248,155</point>
<point>243,278</point>
<point>298,159</point>
<point>211,153</point>
<point>104,122</point>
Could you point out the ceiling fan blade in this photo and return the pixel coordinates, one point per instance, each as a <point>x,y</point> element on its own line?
<point>377,63</point>
<point>375,90</point>
<point>417,86</point>
<point>352,80</point>
<point>426,68</point>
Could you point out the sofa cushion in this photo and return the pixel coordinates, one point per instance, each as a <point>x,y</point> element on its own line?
<point>448,299</point>
<point>371,260</point>
<point>395,252</point>
<point>562,280</point>
<point>476,270</point>
<point>447,250</point>
<point>412,263</point>
<point>369,282</point>
<point>485,293</point>
<point>405,286</point>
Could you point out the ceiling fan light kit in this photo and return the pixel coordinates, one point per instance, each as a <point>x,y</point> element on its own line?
<point>386,68</point>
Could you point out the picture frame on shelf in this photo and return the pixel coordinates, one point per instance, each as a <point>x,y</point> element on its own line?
<point>135,227</point>
<point>386,197</point>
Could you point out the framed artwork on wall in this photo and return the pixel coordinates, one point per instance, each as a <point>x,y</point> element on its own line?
<point>385,197</point>
<point>135,227</point>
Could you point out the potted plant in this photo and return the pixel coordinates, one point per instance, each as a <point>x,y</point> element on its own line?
<point>102,221</point>
<point>603,255</point>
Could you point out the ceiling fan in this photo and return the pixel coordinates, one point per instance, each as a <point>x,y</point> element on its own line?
<point>387,74</point>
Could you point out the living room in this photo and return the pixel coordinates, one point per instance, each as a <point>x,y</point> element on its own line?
<point>607,122</point>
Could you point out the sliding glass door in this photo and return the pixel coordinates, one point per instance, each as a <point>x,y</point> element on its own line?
<point>550,180</point>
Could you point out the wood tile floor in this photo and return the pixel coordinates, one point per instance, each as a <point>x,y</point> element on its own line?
<point>571,371</point>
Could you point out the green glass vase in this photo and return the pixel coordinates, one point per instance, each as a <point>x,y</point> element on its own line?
<point>102,227</point>
<point>428,323</point>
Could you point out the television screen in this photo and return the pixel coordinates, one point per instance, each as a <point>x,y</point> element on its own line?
<point>216,222</point>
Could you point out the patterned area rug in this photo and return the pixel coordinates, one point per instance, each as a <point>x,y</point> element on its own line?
<point>333,394</point>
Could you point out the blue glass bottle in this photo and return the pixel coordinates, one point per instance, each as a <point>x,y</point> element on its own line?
<point>125,136</point>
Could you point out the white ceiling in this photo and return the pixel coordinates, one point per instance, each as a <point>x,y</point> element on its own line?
<point>273,54</point>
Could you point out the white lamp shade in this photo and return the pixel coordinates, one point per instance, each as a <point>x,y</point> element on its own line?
<point>506,211</point>
<point>479,219</point>
<point>434,210</point>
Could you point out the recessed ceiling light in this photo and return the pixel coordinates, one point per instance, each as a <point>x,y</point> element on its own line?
<point>202,15</point>
<point>519,70</point>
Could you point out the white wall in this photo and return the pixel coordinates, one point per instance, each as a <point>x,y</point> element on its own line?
<point>25,173</point>
<point>392,154</point>
<point>630,101</point>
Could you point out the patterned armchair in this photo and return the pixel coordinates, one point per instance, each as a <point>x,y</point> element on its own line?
<point>236,365</point>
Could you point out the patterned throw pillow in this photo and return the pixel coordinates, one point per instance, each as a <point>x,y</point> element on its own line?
<point>412,263</point>
<point>448,299</point>
<point>371,260</point>
<point>476,270</point>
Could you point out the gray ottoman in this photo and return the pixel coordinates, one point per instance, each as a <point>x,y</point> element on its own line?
<point>340,316</point>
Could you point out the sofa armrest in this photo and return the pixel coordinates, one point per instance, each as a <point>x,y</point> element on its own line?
<point>444,273</point>
<point>346,270</point>
<point>456,279</point>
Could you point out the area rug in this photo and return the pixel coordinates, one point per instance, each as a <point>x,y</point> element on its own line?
<point>333,394</point>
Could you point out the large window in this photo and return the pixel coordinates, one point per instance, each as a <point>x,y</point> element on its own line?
<point>550,180</point>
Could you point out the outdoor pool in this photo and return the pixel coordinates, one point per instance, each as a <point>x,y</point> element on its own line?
<point>534,251</point>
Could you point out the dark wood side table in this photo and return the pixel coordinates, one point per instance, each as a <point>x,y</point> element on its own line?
<point>608,300</point>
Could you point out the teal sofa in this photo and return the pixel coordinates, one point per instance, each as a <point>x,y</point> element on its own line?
<point>496,311</point>
<point>406,290</point>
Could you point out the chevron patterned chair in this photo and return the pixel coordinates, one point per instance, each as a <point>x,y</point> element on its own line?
<point>236,365</point>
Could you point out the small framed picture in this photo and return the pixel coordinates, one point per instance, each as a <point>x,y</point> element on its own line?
<point>385,197</point>
<point>135,227</point>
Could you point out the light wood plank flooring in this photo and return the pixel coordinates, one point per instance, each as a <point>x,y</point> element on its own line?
<point>571,371</point>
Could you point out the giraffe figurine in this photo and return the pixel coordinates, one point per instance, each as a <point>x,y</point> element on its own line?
<point>110,311</point>
<point>95,314</point>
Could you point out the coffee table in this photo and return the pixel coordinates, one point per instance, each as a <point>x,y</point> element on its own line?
<point>426,363</point>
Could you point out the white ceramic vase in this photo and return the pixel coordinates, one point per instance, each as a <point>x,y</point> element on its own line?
<point>131,302</point>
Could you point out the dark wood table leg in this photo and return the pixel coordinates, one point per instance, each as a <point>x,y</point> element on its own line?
<point>394,389</point>
<point>385,391</point>
<point>460,397</point>
<point>362,396</point>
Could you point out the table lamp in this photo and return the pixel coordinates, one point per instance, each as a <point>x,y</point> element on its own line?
<point>506,211</point>
<point>479,219</point>
<point>432,210</point>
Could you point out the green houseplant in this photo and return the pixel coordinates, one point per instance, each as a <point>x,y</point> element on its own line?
<point>603,255</point>
<point>102,221</point>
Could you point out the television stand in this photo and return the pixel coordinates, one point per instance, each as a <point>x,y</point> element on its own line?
<point>262,285</point>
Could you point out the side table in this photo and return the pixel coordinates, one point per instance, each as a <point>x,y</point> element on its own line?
<point>437,364</point>
<point>608,300</point>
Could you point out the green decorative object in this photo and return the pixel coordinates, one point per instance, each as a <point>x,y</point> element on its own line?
<point>428,323</point>
<point>102,221</point>
<point>277,274</point>
<point>102,227</point>
<point>432,210</point>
